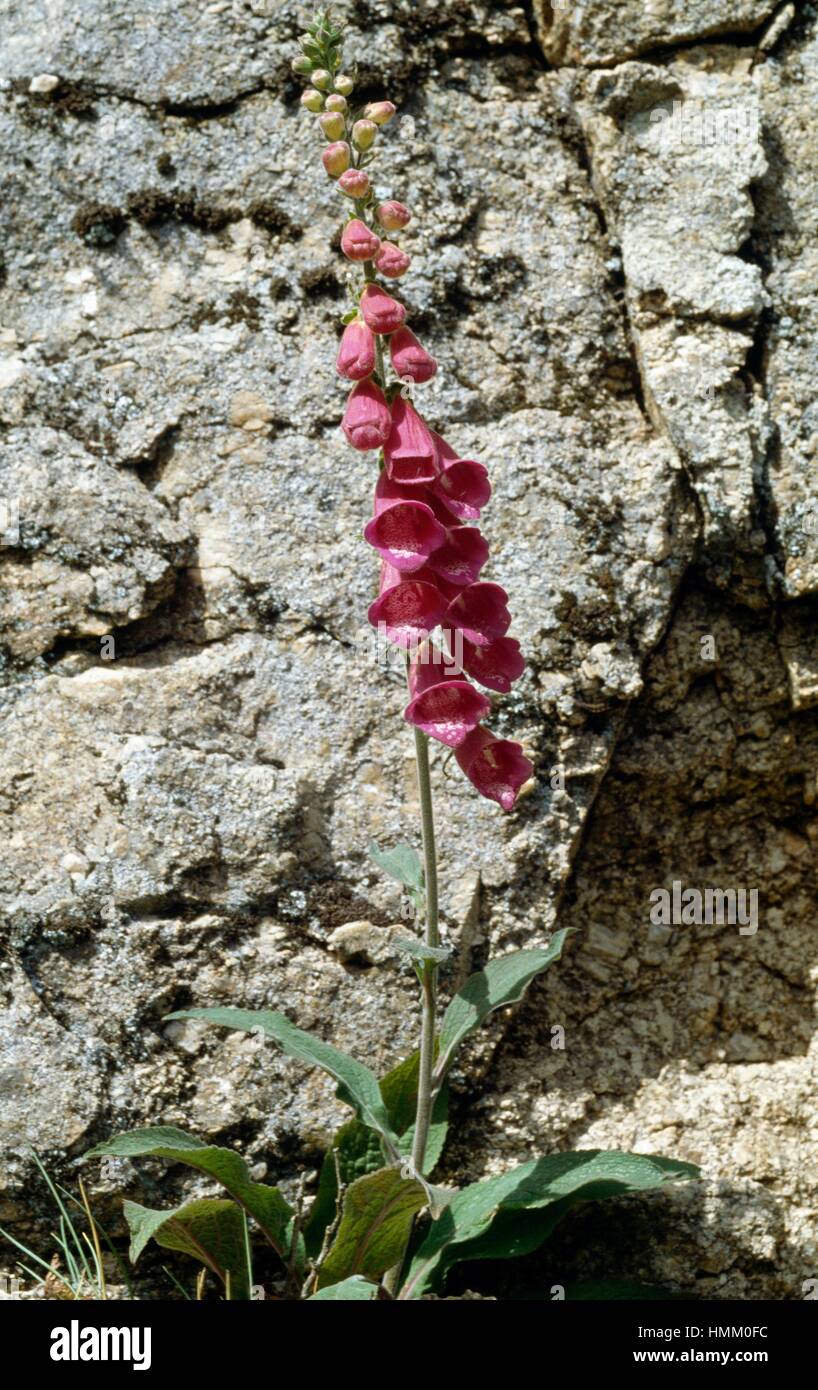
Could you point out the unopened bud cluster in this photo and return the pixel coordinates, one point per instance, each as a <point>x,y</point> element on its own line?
<point>426,494</point>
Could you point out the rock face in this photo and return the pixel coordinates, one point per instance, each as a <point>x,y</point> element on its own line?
<point>615,263</point>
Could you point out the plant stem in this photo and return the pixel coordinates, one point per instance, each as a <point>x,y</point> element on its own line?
<point>432,938</point>
<point>423,1112</point>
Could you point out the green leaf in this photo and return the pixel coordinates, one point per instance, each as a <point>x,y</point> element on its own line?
<point>512,1214</point>
<point>359,1084</point>
<point>356,1288</point>
<point>377,1218</point>
<point>420,951</point>
<point>210,1229</point>
<point>503,982</point>
<point>359,1152</point>
<point>265,1204</point>
<point>401,863</point>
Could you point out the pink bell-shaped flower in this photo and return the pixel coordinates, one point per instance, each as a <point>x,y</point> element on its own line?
<point>410,453</point>
<point>367,421</point>
<point>464,483</point>
<point>388,491</point>
<point>462,556</point>
<point>410,361</point>
<point>405,534</point>
<point>496,767</point>
<point>480,612</point>
<point>443,705</point>
<point>408,609</point>
<point>495,665</point>
<point>381,312</point>
<point>356,352</point>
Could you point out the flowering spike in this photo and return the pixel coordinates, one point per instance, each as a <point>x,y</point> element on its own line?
<point>430,560</point>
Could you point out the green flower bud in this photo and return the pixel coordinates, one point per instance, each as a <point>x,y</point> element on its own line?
<point>336,103</point>
<point>332,124</point>
<point>363,134</point>
<point>344,84</point>
<point>301,66</point>
<point>321,79</point>
<point>312,100</point>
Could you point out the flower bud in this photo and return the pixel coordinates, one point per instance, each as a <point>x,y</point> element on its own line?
<point>391,261</point>
<point>322,79</point>
<point>363,134</point>
<point>335,102</point>
<point>336,158</point>
<point>301,66</point>
<point>366,421</point>
<point>358,243</point>
<point>381,312</point>
<point>344,84</point>
<point>380,112</point>
<point>312,100</point>
<point>332,124</point>
<point>392,216</point>
<point>356,353</point>
<point>409,359</point>
<point>354,183</point>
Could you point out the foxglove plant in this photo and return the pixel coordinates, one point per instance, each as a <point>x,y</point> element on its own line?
<point>377,1228</point>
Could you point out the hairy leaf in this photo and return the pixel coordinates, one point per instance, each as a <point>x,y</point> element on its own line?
<point>210,1229</point>
<point>503,982</point>
<point>377,1218</point>
<point>512,1214</point>
<point>359,1084</point>
<point>359,1152</point>
<point>265,1204</point>
<point>418,950</point>
<point>401,863</point>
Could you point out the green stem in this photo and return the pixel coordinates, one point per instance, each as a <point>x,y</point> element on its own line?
<point>432,938</point>
<point>423,1112</point>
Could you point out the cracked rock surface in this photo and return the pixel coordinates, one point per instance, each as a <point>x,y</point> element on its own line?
<point>614,263</point>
